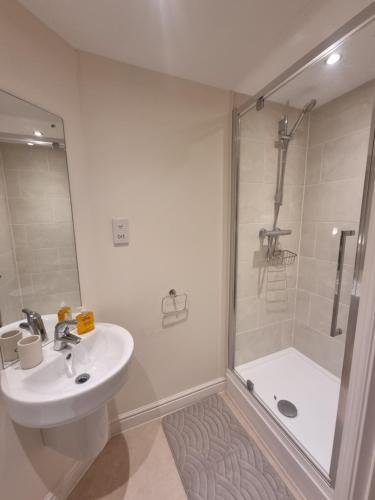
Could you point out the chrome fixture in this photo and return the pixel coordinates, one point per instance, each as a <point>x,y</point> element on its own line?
<point>340,267</point>
<point>287,408</point>
<point>174,303</point>
<point>285,136</point>
<point>34,324</point>
<point>63,337</point>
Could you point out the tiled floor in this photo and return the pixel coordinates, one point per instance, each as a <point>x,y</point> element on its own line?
<point>138,465</point>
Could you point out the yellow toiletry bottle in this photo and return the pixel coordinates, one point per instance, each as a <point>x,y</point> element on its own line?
<point>64,313</point>
<point>85,322</point>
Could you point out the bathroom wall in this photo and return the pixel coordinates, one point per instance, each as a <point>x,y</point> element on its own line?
<point>158,154</point>
<point>9,286</point>
<point>38,66</point>
<point>37,186</point>
<point>336,162</point>
<point>265,296</point>
<point>173,192</point>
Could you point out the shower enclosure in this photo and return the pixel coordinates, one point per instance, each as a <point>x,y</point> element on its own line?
<point>302,172</point>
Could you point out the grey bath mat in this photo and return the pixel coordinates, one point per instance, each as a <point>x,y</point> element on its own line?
<point>216,458</point>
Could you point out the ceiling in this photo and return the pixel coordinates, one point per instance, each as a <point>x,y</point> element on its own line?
<point>324,83</point>
<point>216,42</point>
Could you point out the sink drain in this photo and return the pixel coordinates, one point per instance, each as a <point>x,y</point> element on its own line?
<point>81,379</point>
<point>287,408</point>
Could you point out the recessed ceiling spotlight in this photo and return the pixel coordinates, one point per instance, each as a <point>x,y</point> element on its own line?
<point>38,133</point>
<point>333,58</point>
<point>30,144</point>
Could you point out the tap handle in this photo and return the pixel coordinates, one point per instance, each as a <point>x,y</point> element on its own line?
<point>63,325</point>
<point>28,312</point>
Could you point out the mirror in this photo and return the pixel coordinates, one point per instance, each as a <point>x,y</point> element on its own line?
<point>38,264</point>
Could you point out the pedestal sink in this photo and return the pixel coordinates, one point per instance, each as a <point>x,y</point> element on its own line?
<point>68,391</point>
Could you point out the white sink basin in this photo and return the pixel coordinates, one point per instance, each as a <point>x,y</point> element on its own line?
<point>48,396</point>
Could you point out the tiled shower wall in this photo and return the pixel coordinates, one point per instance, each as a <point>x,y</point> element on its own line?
<point>324,183</point>
<point>37,188</point>
<point>336,163</point>
<point>10,300</point>
<point>264,316</point>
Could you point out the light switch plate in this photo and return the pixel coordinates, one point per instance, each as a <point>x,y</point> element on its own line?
<point>120,231</point>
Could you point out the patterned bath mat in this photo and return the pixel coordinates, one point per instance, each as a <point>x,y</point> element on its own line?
<point>216,458</point>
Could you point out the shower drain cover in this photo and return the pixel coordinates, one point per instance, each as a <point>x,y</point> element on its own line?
<point>81,379</point>
<point>287,408</point>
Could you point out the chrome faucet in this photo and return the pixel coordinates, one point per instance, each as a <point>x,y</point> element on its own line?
<point>63,337</point>
<point>34,324</point>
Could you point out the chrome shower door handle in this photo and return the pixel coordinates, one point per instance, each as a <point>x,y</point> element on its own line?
<point>340,267</point>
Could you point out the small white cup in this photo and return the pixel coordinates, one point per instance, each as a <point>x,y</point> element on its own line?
<point>30,351</point>
<point>8,344</point>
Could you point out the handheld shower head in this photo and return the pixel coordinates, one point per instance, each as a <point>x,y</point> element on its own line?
<point>309,106</point>
<point>306,109</point>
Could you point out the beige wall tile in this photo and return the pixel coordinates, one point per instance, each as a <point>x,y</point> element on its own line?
<point>50,235</point>
<point>247,314</point>
<point>19,235</point>
<point>291,208</point>
<point>328,352</point>
<point>277,306</point>
<point>344,158</point>
<point>249,279</point>
<point>61,209</point>
<point>296,159</point>
<point>55,282</point>
<point>19,157</point>
<point>314,164</point>
<point>340,118</point>
<point>328,241</point>
<point>12,186</point>
<point>307,274</point>
<point>320,317</point>
<point>40,211</point>
<point>5,234</point>
<point>30,210</point>
<point>267,340</point>
<point>302,306</point>
<point>251,161</point>
<point>255,202</point>
<point>67,258</point>
<point>7,267</point>
<point>308,238</point>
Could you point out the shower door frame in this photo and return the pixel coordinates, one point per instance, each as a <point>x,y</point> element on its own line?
<point>365,17</point>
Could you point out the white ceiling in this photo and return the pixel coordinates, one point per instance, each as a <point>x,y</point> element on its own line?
<point>217,42</point>
<point>324,83</point>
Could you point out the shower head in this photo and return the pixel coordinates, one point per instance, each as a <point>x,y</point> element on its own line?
<point>309,106</point>
<point>306,109</point>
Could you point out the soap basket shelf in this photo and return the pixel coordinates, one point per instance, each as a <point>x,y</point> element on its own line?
<point>282,258</point>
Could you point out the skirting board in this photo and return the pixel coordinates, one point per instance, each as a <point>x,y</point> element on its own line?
<point>162,407</point>
<point>295,465</point>
<point>132,419</point>
<point>69,481</point>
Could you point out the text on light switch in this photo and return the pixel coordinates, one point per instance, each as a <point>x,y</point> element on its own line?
<point>120,230</point>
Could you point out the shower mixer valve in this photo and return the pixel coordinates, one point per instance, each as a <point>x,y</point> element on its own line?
<point>276,256</point>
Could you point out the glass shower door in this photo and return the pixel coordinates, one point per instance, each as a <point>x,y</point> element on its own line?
<point>301,173</point>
